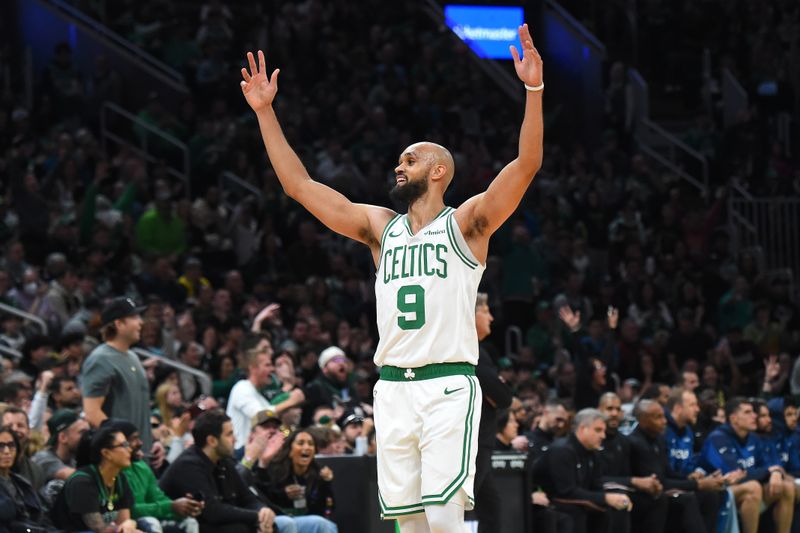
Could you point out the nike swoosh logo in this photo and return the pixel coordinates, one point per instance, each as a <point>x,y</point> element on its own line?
<point>448,391</point>
<point>393,235</point>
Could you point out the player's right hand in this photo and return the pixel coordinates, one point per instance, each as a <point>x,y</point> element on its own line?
<point>259,91</point>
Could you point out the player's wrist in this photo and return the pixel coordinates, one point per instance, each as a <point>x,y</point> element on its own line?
<point>534,88</point>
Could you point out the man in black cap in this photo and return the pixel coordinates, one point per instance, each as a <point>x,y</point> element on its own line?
<point>113,380</point>
<point>58,459</point>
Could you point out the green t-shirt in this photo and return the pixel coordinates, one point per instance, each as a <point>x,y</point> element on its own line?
<point>148,498</point>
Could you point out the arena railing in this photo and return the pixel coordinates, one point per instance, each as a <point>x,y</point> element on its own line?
<point>662,146</point>
<point>11,352</point>
<point>154,66</point>
<point>205,380</point>
<point>232,185</point>
<point>771,224</point>
<point>113,117</point>
<point>25,316</point>
<point>734,98</point>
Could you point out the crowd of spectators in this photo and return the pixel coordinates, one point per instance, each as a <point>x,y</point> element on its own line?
<point>614,276</point>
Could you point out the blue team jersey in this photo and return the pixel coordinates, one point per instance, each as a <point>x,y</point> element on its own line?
<point>680,446</point>
<point>723,450</point>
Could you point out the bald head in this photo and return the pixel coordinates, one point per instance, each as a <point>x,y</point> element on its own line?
<point>435,155</point>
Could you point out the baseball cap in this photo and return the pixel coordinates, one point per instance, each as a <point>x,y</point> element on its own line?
<point>118,308</point>
<point>355,415</point>
<point>61,420</point>
<point>263,417</point>
<point>504,363</point>
<point>330,354</point>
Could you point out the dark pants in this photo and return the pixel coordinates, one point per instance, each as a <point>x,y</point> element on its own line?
<point>549,520</point>
<point>685,514</point>
<point>587,521</point>
<point>649,514</point>
<point>487,499</point>
<point>710,503</point>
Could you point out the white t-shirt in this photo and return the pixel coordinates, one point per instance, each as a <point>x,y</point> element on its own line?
<point>243,404</point>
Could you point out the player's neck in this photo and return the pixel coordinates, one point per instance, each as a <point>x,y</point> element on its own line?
<point>423,211</point>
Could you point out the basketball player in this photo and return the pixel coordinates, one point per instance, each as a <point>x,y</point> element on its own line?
<point>429,262</point>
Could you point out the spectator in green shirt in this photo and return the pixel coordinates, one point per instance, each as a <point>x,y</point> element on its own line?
<point>153,510</point>
<point>159,232</point>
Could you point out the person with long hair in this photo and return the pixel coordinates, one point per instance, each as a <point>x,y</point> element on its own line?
<point>19,504</point>
<point>169,402</point>
<point>97,497</point>
<point>297,483</point>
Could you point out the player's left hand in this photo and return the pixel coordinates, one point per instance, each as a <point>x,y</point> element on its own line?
<point>529,67</point>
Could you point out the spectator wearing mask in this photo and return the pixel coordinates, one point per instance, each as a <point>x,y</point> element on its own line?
<point>332,387</point>
<point>66,431</point>
<point>97,496</point>
<point>153,510</point>
<point>207,470</point>
<point>297,484</point>
<point>649,503</point>
<point>696,506</point>
<point>16,419</point>
<point>735,450</point>
<point>571,476</point>
<point>19,505</point>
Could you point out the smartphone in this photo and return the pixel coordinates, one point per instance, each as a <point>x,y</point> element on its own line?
<point>198,496</point>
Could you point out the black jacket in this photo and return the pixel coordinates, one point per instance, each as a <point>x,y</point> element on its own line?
<point>319,493</point>
<point>227,499</point>
<point>571,471</point>
<point>323,391</point>
<point>650,456</point>
<point>495,390</point>
<point>615,456</point>
<point>257,482</point>
<point>10,511</point>
<point>539,441</point>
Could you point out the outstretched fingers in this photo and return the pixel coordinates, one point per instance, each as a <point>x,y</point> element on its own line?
<point>246,75</point>
<point>251,60</point>
<point>514,53</point>
<point>262,63</point>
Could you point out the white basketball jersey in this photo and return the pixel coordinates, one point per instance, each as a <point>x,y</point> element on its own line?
<point>425,287</point>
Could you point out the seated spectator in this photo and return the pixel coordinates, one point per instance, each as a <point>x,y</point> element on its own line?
<point>649,503</point>
<point>507,432</point>
<point>297,484</point>
<point>266,440</point>
<point>66,431</point>
<point>19,505</point>
<point>331,388</point>
<point>784,413</point>
<point>153,511</point>
<point>245,401</point>
<point>355,426</point>
<point>735,450</point>
<point>207,470</point>
<point>97,496</point>
<point>552,424</point>
<point>695,502</point>
<point>16,419</point>
<point>571,476</point>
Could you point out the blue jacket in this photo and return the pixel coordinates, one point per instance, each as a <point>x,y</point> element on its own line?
<point>723,450</point>
<point>680,446</point>
<point>786,443</point>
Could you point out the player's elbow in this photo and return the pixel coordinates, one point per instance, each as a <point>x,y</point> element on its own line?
<point>529,164</point>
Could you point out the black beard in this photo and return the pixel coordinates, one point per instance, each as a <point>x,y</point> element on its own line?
<point>409,193</point>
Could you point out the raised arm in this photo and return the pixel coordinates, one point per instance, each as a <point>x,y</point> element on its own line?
<point>360,222</point>
<point>481,215</point>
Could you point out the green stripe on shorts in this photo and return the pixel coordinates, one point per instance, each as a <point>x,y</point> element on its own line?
<point>438,370</point>
<point>466,449</point>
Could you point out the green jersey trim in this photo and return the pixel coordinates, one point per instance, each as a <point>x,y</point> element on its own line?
<point>454,243</point>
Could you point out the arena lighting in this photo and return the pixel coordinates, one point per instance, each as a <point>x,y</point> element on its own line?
<point>488,30</point>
